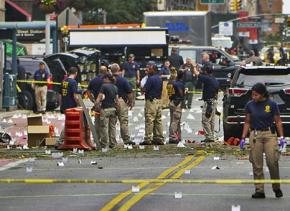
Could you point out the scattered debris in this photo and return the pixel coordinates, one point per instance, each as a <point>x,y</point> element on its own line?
<point>215,168</point>
<point>156,148</point>
<point>60,164</point>
<point>141,147</point>
<point>178,195</point>
<point>135,189</point>
<point>236,207</point>
<point>94,162</point>
<point>187,171</point>
<point>181,145</point>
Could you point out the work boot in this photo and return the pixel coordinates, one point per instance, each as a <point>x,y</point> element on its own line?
<point>157,142</point>
<point>278,193</point>
<point>173,141</point>
<point>130,143</point>
<point>145,143</point>
<point>258,195</point>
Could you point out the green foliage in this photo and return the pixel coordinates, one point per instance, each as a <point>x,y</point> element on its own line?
<point>118,11</point>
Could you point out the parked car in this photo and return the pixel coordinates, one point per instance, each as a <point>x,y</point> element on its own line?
<point>224,64</point>
<point>277,81</point>
<point>26,97</point>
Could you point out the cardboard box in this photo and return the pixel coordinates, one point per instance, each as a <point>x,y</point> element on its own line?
<point>50,141</point>
<point>37,135</point>
<point>34,120</point>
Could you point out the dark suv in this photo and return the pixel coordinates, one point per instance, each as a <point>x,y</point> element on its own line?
<point>277,80</point>
<point>26,98</point>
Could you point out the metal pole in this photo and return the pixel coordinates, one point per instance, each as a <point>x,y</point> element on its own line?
<point>14,54</point>
<point>104,17</point>
<point>47,34</point>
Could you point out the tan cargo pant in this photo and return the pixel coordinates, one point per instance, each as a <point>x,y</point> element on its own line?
<point>107,128</point>
<point>123,119</point>
<point>208,123</point>
<point>164,97</point>
<point>175,118</point>
<point>40,97</point>
<point>264,142</point>
<point>153,120</point>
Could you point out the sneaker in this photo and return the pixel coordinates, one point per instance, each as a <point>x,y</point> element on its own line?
<point>172,141</point>
<point>145,143</point>
<point>278,193</point>
<point>258,195</point>
<point>130,143</point>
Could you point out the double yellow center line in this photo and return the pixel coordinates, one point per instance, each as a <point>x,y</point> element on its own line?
<point>184,165</point>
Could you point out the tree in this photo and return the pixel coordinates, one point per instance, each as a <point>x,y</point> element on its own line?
<point>118,11</point>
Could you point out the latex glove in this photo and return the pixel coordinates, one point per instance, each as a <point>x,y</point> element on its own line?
<point>282,143</point>
<point>242,144</point>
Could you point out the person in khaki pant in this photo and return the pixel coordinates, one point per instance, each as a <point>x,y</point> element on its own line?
<point>176,92</point>
<point>125,98</point>
<point>41,75</point>
<point>261,112</point>
<point>153,107</point>
<point>106,104</point>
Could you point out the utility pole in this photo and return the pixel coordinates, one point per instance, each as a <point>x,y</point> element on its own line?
<point>47,34</point>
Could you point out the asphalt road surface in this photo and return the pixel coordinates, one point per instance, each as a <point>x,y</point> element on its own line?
<point>151,195</point>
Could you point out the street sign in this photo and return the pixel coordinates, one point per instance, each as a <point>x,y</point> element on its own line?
<point>212,1</point>
<point>248,25</point>
<point>226,28</point>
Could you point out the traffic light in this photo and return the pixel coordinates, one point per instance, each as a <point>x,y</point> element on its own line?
<point>64,29</point>
<point>239,5</point>
<point>235,5</point>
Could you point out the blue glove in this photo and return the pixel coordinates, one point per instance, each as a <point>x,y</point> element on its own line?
<point>242,144</point>
<point>282,143</point>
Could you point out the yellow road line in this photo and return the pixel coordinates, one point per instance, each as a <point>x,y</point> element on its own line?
<point>147,181</point>
<point>136,198</point>
<point>110,205</point>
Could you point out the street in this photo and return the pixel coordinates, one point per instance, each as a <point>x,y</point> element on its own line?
<point>169,162</point>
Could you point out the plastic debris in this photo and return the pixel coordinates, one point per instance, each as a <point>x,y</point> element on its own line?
<point>8,147</point>
<point>156,148</point>
<point>187,171</point>
<point>236,207</point>
<point>79,161</point>
<point>104,150</point>
<point>93,162</point>
<point>130,147</point>
<point>48,152</point>
<point>216,158</point>
<point>140,115</point>
<point>181,145</point>
<point>25,147</point>
<point>75,150</point>
<point>60,164</point>
<point>251,173</point>
<point>178,195</point>
<point>141,147</point>
<point>135,189</point>
<point>215,168</point>
<point>81,152</point>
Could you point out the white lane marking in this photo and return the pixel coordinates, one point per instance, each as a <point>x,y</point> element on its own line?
<point>14,164</point>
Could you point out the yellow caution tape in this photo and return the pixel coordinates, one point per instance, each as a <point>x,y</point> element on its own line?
<point>134,181</point>
<point>45,82</point>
